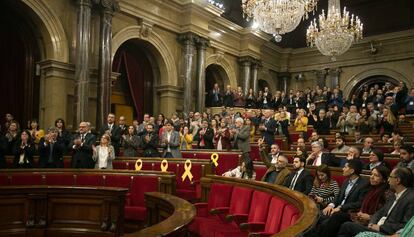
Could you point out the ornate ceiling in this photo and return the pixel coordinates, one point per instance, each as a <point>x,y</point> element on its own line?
<point>378,16</point>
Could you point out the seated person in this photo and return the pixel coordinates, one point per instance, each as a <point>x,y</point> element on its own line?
<point>324,189</point>
<point>300,179</point>
<point>352,154</point>
<point>407,157</point>
<point>317,157</point>
<point>407,231</point>
<point>314,137</point>
<point>340,146</point>
<point>367,147</point>
<point>397,145</point>
<point>241,171</point>
<point>301,149</point>
<point>394,214</point>
<point>376,158</point>
<point>276,173</point>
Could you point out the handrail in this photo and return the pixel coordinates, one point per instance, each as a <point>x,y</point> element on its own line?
<point>181,214</point>
<point>308,208</point>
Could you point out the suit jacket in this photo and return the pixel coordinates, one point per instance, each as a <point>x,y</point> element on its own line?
<point>131,145</point>
<point>208,138</point>
<point>283,174</point>
<point>82,155</point>
<point>327,159</point>
<point>28,151</point>
<point>400,214</point>
<point>111,157</point>
<point>242,139</point>
<point>269,133</point>
<point>116,135</point>
<point>150,147</point>
<point>225,139</point>
<point>3,149</point>
<point>355,197</point>
<point>174,144</point>
<point>303,183</point>
<point>45,151</point>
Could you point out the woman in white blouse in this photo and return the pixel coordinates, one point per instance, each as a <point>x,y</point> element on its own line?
<point>104,153</point>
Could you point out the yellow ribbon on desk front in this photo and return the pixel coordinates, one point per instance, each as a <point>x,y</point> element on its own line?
<point>187,172</point>
<point>214,159</point>
<point>138,165</point>
<point>164,165</point>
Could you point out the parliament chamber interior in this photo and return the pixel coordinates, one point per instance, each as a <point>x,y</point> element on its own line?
<point>207,118</point>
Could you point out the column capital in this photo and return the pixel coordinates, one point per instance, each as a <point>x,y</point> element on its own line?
<point>107,6</point>
<point>334,71</point>
<point>86,3</point>
<point>257,64</point>
<point>202,43</point>
<point>246,60</point>
<point>188,38</point>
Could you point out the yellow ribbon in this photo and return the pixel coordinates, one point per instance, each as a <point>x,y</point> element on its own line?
<point>164,165</point>
<point>138,165</point>
<point>187,172</point>
<point>214,158</point>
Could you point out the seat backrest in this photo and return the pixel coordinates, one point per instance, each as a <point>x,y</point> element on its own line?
<point>119,165</point>
<point>60,179</point>
<point>240,200</point>
<point>89,180</point>
<point>259,206</point>
<point>4,180</point>
<point>119,181</point>
<point>140,185</point>
<point>219,195</point>
<point>275,215</point>
<point>196,171</point>
<point>290,216</point>
<point>26,179</point>
<point>260,171</point>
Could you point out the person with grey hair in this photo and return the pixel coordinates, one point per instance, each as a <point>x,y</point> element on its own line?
<point>241,138</point>
<point>317,157</point>
<point>51,150</point>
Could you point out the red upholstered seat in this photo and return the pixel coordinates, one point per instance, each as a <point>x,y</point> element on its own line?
<point>254,152</point>
<point>89,180</point>
<point>135,205</point>
<point>339,179</point>
<point>67,163</point>
<point>239,205</point>
<point>26,179</point>
<point>275,217</point>
<point>4,180</point>
<point>60,179</point>
<point>290,216</point>
<point>188,189</point>
<point>119,165</point>
<point>219,196</point>
<point>121,181</point>
<point>260,171</point>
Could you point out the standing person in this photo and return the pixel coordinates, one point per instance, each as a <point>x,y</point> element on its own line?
<point>82,147</point>
<point>228,97</point>
<point>322,123</point>
<point>241,138</point>
<point>300,179</point>
<point>130,142</point>
<point>301,123</point>
<point>149,142</point>
<point>222,137</point>
<point>215,96</point>
<point>170,141</point>
<point>204,136</point>
<point>104,153</point>
<point>12,136</point>
<point>24,150</point>
<point>112,130</point>
<point>3,149</point>
<point>250,99</point>
<point>35,131</point>
<point>186,138</point>
<point>268,128</point>
<point>63,135</point>
<point>51,150</point>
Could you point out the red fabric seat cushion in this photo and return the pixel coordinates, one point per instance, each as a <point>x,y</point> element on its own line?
<point>141,185</point>
<point>259,207</point>
<point>260,171</point>
<point>275,215</point>
<point>60,179</point>
<point>135,213</point>
<point>26,179</point>
<point>290,216</point>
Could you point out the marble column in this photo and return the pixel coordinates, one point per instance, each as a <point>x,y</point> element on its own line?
<point>255,79</point>
<point>321,77</point>
<point>333,75</point>
<point>284,79</point>
<point>107,9</point>
<point>188,42</point>
<point>246,63</point>
<point>201,44</point>
<point>83,38</point>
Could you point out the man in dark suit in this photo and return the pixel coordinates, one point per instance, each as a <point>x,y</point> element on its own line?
<point>215,96</point>
<point>396,212</point>
<point>268,128</point>
<point>300,179</point>
<point>82,147</point>
<point>228,97</point>
<point>350,197</point>
<point>51,150</point>
<point>204,136</point>
<point>112,130</point>
<point>241,138</point>
<point>317,157</point>
<point>150,142</point>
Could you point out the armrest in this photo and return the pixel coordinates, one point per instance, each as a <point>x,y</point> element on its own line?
<point>238,218</point>
<point>128,199</point>
<point>260,234</point>
<point>201,208</point>
<point>253,226</point>
<point>219,210</point>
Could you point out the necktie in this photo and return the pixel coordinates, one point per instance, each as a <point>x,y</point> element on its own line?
<point>293,183</point>
<point>83,137</point>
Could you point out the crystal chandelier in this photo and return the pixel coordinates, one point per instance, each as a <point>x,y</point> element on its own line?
<point>336,33</point>
<point>277,17</point>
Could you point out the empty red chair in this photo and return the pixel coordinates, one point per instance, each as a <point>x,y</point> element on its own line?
<point>120,181</point>
<point>219,196</point>
<point>239,205</point>
<point>290,216</point>
<point>135,202</point>
<point>4,180</point>
<point>187,189</point>
<point>26,179</point>
<point>59,179</point>
<point>89,180</point>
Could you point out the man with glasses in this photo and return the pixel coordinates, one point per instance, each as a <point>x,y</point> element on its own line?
<point>394,214</point>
